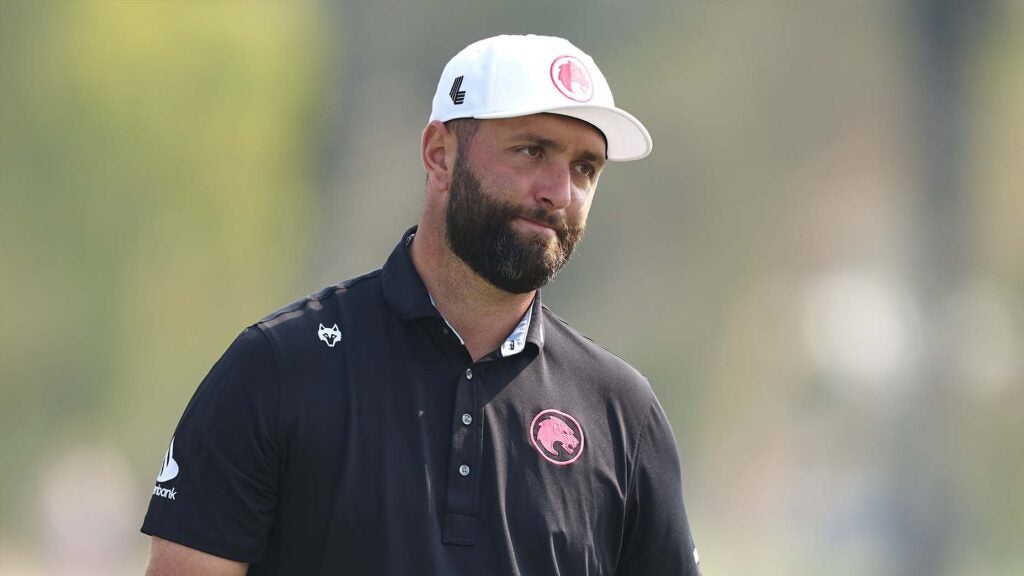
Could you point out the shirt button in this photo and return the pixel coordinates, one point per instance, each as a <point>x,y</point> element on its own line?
<point>445,331</point>
<point>464,470</point>
<point>467,419</point>
<point>469,373</point>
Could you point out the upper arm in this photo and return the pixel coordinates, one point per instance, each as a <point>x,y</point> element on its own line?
<point>167,558</point>
<point>657,538</point>
<point>218,488</point>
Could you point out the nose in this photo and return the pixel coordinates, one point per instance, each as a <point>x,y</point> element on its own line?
<point>554,189</point>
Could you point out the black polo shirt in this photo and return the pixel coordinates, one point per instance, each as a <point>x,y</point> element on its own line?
<point>351,433</point>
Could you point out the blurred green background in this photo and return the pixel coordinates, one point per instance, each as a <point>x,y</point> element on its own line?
<point>819,267</point>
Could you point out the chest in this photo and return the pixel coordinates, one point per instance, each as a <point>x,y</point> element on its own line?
<point>501,459</point>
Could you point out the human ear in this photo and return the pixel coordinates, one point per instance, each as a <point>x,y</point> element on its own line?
<point>437,150</point>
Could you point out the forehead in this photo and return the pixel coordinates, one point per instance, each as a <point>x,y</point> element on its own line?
<point>571,133</point>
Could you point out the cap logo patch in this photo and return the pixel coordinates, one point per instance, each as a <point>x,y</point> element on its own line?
<point>557,437</point>
<point>458,96</point>
<point>572,79</point>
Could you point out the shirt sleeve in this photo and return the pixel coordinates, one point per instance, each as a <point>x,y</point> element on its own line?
<point>657,537</point>
<point>217,488</point>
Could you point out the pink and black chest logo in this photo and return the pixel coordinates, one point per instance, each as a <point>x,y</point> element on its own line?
<point>557,436</point>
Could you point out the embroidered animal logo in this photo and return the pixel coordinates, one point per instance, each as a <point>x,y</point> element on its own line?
<point>330,336</point>
<point>557,437</point>
<point>554,430</point>
<point>572,79</point>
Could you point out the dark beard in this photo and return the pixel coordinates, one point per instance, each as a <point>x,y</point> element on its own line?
<point>479,231</point>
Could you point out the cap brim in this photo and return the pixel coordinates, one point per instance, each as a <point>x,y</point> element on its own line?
<point>627,137</point>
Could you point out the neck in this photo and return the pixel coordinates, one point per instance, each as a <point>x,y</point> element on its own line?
<point>482,314</point>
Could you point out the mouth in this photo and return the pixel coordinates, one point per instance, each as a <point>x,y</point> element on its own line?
<point>534,225</point>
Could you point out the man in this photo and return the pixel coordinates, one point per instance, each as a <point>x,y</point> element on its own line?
<point>433,417</point>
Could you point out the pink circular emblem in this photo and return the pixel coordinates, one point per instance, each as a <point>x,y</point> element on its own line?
<point>557,437</point>
<point>572,79</point>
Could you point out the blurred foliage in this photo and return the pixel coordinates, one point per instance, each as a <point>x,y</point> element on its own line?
<point>155,167</point>
<point>171,172</point>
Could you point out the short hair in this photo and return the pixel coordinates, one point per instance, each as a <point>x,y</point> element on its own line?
<point>464,129</point>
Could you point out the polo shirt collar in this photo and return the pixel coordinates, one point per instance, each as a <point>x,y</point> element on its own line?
<point>535,324</point>
<point>408,297</point>
<point>403,287</point>
<point>516,341</point>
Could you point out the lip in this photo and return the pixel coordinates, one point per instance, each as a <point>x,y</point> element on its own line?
<point>536,225</point>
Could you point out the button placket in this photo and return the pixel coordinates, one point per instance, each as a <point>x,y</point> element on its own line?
<point>464,457</point>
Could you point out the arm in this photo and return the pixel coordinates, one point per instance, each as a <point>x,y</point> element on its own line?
<point>657,540</point>
<point>218,488</point>
<point>169,559</point>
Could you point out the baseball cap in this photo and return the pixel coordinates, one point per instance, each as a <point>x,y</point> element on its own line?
<point>507,76</point>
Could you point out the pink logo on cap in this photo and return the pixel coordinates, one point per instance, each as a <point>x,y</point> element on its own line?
<point>557,437</point>
<point>572,79</point>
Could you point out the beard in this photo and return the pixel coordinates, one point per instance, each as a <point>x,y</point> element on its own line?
<point>479,230</point>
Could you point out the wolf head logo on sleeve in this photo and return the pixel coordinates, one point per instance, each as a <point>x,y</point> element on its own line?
<point>330,336</point>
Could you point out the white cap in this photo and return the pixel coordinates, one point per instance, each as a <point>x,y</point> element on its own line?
<point>507,76</point>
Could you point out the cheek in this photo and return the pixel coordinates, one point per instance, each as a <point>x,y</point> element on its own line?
<point>500,183</point>
<point>584,206</point>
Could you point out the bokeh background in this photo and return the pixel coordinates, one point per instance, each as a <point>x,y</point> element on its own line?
<point>819,267</point>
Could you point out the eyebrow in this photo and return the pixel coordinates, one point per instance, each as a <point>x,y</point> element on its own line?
<point>556,146</point>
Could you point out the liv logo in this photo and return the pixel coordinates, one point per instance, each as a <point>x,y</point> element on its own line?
<point>458,96</point>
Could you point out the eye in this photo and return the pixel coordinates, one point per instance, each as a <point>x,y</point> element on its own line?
<point>586,169</point>
<point>531,151</point>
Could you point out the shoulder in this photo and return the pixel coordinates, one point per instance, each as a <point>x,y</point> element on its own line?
<point>325,302</point>
<point>603,369</point>
<point>306,336</point>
